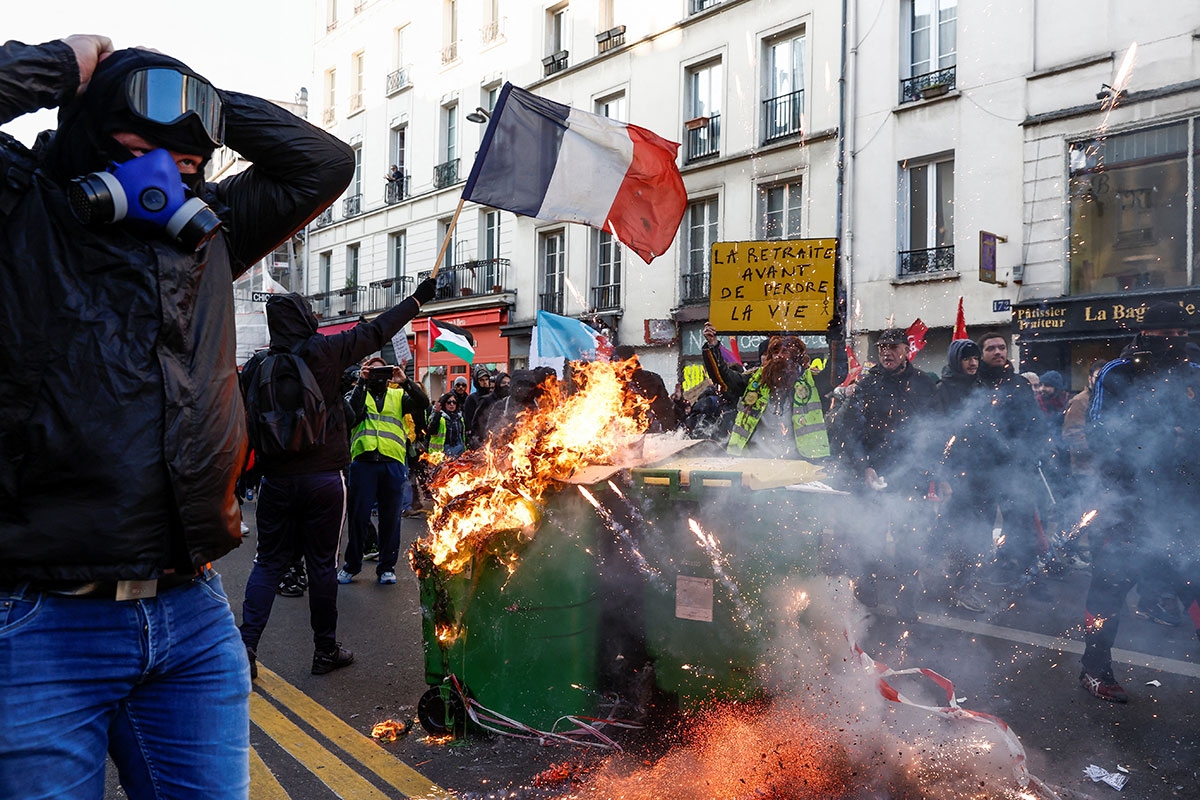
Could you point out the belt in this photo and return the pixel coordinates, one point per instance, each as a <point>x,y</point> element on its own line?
<point>116,590</point>
<point>375,457</point>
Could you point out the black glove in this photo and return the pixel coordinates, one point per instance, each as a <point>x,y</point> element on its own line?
<point>426,289</point>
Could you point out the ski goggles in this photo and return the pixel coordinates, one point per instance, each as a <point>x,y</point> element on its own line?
<point>166,96</point>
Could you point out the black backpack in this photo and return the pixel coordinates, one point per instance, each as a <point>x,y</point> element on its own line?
<point>285,407</point>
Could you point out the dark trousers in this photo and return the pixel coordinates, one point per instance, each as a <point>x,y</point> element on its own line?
<point>297,513</point>
<point>376,482</point>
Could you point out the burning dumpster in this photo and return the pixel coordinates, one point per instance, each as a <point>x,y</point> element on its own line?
<point>725,533</point>
<point>517,628</point>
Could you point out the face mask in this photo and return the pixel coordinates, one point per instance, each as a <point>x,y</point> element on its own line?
<point>1165,349</point>
<point>148,190</point>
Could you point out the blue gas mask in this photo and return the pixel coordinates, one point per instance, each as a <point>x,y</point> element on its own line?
<point>148,190</point>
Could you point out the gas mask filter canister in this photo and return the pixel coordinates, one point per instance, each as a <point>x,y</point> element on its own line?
<point>145,189</point>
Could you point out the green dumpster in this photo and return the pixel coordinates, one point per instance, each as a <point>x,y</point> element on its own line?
<point>518,628</point>
<point>722,547</point>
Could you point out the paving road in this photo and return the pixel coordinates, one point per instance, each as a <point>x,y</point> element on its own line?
<point>310,734</point>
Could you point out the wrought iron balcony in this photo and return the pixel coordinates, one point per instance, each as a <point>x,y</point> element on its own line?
<point>324,218</point>
<point>551,302</point>
<point>783,116</point>
<point>398,79</point>
<point>322,304</point>
<point>481,276</point>
<point>386,293</point>
<point>450,53</point>
<point>555,62</point>
<point>350,300</point>
<point>396,190</point>
<point>932,261</point>
<point>931,84</point>
<point>693,287</point>
<point>606,298</point>
<point>445,174</point>
<point>703,137</point>
<point>327,116</point>
<point>356,102</point>
<point>352,206</point>
<point>491,32</point>
<point>610,39</point>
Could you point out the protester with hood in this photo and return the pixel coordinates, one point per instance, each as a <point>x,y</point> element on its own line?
<point>650,387</point>
<point>447,429</point>
<point>1144,431</point>
<point>303,495</point>
<point>1010,478</point>
<point>485,415</point>
<point>470,407</point>
<point>122,434</point>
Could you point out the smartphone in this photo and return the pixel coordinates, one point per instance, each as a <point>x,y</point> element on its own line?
<point>380,373</point>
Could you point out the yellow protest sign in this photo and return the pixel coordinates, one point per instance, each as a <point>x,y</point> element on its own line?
<point>783,285</point>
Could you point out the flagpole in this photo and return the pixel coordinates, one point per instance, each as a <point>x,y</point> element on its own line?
<point>437,262</point>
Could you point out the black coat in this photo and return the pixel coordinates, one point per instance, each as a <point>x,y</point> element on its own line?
<point>122,432</point>
<point>883,421</point>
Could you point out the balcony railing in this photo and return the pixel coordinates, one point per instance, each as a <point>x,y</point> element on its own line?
<point>555,62</point>
<point>350,300</point>
<point>324,218</point>
<point>450,53</point>
<point>606,298</point>
<point>386,293</point>
<point>482,276</point>
<point>926,262</point>
<point>359,5</point>
<point>610,39</point>
<point>783,116</point>
<point>697,6</point>
<point>491,32</point>
<point>396,190</point>
<point>327,116</point>
<point>551,302</point>
<point>445,174</point>
<point>703,137</point>
<point>931,84</point>
<point>322,304</point>
<point>398,79</point>
<point>693,287</point>
<point>356,102</point>
<point>352,206</point>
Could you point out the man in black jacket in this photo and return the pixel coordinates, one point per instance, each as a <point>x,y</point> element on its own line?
<point>303,495</point>
<point>122,433</point>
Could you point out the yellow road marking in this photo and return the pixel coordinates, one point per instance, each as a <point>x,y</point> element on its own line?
<point>341,779</point>
<point>392,770</point>
<point>263,784</point>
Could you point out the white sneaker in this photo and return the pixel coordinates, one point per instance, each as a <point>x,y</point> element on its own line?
<point>245,529</point>
<point>344,577</point>
<point>387,577</point>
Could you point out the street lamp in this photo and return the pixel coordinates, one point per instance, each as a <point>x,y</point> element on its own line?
<point>479,116</point>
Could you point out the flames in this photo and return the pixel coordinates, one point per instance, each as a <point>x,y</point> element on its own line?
<point>499,487</point>
<point>389,730</point>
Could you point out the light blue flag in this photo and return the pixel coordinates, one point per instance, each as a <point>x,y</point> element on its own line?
<point>567,338</point>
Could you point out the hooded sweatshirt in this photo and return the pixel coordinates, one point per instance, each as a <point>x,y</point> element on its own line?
<point>291,322</point>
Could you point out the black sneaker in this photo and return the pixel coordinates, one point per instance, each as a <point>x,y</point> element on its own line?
<point>253,657</point>
<point>292,584</point>
<point>325,661</point>
<point>1104,686</point>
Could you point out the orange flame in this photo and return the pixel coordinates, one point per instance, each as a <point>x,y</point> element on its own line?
<point>499,487</point>
<point>389,730</point>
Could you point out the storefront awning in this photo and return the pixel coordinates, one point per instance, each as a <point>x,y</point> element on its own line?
<point>338,327</point>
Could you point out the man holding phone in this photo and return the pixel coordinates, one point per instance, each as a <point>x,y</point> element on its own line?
<point>380,403</point>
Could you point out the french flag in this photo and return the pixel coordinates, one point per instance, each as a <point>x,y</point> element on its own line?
<point>547,160</point>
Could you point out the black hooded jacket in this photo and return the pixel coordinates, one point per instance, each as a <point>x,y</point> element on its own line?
<point>291,321</point>
<point>122,432</point>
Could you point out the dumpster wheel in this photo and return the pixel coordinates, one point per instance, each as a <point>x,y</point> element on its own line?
<point>442,712</point>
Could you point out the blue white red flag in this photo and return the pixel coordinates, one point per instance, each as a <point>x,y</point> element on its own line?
<point>547,160</point>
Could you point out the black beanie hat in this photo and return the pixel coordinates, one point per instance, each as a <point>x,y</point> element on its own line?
<point>1163,315</point>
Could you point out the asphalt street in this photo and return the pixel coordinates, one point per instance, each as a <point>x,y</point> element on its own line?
<point>311,734</point>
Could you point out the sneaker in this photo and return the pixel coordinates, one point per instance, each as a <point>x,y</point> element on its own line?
<point>326,661</point>
<point>253,658</point>
<point>1104,686</point>
<point>345,577</point>
<point>1160,611</point>
<point>373,555</point>
<point>288,588</point>
<point>245,529</point>
<point>968,601</point>
<point>387,577</point>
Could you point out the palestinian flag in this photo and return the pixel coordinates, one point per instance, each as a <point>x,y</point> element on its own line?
<point>451,339</point>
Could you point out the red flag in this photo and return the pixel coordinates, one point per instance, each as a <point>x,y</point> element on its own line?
<point>853,368</point>
<point>960,324</point>
<point>916,337</point>
<point>733,348</point>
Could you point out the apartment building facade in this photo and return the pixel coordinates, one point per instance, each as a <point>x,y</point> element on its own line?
<point>955,150</point>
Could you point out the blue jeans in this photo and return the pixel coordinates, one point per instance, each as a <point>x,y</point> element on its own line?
<point>297,514</point>
<point>160,684</point>
<point>385,483</point>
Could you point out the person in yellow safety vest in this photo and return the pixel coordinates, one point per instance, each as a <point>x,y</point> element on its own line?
<point>447,429</point>
<point>778,406</point>
<point>379,443</point>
